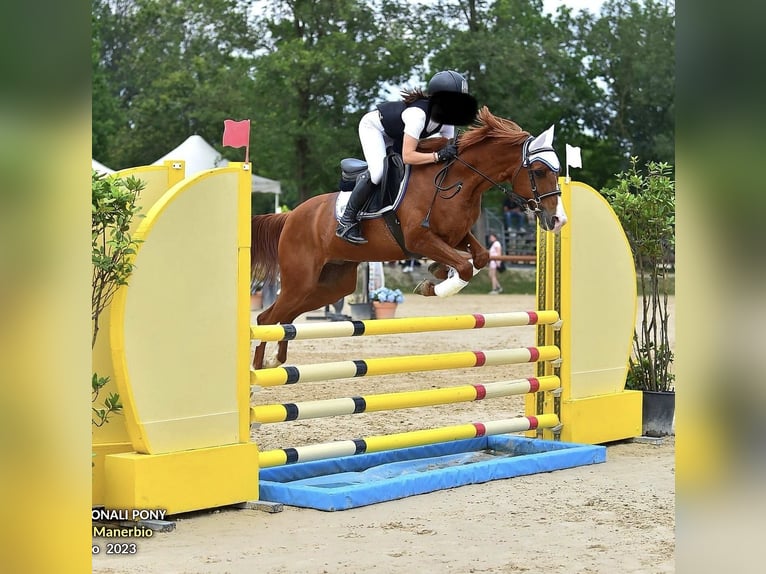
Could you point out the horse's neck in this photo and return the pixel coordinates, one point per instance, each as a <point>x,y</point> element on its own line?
<point>477,180</point>
<point>487,170</point>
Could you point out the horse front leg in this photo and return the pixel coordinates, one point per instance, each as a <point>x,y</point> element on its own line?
<point>479,253</point>
<point>470,245</point>
<point>281,354</point>
<point>458,264</point>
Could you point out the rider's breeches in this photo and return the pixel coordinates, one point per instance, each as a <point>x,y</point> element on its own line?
<point>373,142</point>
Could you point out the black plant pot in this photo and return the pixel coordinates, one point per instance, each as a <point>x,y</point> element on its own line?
<point>658,413</point>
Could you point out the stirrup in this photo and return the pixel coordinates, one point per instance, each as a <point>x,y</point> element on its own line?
<point>347,233</point>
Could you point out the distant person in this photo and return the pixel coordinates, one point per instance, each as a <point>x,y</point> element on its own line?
<point>513,216</point>
<point>409,265</point>
<point>495,250</point>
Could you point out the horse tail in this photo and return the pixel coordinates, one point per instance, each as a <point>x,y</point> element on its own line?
<point>264,242</point>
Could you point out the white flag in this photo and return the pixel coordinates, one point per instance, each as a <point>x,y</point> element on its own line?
<point>573,156</point>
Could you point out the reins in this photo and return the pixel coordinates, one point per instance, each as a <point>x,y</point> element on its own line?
<point>438,180</point>
<point>530,204</point>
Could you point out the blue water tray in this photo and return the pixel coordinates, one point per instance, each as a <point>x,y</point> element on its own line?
<point>353,481</point>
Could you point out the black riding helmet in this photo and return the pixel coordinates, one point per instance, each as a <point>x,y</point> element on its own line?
<point>450,101</point>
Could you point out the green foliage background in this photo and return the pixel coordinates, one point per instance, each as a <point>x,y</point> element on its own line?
<point>304,72</point>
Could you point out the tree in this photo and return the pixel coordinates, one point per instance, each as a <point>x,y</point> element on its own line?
<point>106,112</point>
<point>177,67</point>
<point>304,72</point>
<point>320,66</point>
<point>521,63</point>
<point>632,47</point>
<point>606,82</point>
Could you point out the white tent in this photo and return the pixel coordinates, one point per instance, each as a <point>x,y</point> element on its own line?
<point>200,155</point>
<point>100,167</point>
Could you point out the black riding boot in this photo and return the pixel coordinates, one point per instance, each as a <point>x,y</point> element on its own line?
<point>348,226</point>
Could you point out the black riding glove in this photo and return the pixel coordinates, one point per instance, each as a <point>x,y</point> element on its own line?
<point>447,152</point>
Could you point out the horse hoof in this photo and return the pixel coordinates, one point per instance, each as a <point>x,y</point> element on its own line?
<point>438,270</point>
<point>273,359</point>
<point>425,287</point>
<point>271,362</point>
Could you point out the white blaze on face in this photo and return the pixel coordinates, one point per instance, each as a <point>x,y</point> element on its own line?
<point>561,216</point>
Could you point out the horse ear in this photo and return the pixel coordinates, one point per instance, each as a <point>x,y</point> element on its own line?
<point>541,149</point>
<point>544,140</point>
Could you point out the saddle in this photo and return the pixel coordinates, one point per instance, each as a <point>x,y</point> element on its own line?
<point>387,195</point>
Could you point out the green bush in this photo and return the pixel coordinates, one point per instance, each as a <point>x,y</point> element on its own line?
<point>645,205</point>
<point>113,209</point>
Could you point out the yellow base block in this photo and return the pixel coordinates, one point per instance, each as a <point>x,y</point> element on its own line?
<point>593,420</point>
<point>99,452</point>
<point>182,481</point>
<point>603,418</point>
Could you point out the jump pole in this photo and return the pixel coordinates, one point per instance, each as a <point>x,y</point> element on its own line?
<point>402,364</point>
<point>302,331</point>
<point>380,443</point>
<point>276,413</point>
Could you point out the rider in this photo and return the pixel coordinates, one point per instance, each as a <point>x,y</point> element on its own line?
<point>402,124</point>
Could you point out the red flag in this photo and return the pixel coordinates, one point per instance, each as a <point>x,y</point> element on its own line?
<point>237,134</point>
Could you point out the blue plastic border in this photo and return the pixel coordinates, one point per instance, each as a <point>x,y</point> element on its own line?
<point>353,481</point>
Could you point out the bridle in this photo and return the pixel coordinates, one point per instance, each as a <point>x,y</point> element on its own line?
<point>526,162</point>
<point>531,204</point>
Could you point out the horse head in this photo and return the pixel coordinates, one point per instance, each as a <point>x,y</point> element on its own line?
<point>541,188</point>
<point>529,163</point>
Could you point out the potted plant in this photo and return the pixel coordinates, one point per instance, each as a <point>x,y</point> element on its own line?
<point>645,205</point>
<point>384,302</point>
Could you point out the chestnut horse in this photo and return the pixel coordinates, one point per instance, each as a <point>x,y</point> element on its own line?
<point>441,204</point>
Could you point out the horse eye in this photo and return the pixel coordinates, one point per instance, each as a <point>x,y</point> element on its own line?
<point>539,173</point>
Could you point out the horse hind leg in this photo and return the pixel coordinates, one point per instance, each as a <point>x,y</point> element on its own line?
<point>335,281</point>
<point>260,358</point>
<point>260,350</point>
<point>277,357</point>
<point>280,354</point>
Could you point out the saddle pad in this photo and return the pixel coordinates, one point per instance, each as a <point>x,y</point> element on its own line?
<point>343,197</point>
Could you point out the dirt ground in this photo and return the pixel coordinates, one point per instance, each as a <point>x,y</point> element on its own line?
<point>618,516</point>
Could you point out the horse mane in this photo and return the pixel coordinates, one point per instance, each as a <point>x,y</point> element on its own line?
<point>487,126</point>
